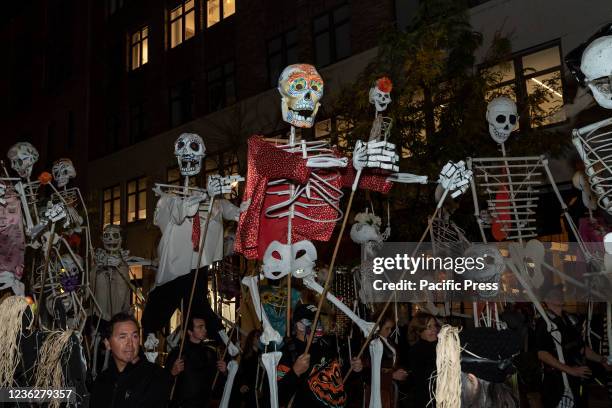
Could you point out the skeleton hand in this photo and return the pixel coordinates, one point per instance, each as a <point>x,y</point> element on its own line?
<point>9,280</point>
<point>455,177</point>
<point>113,261</point>
<point>407,178</point>
<point>55,212</point>
<point>218,185</point>
<point>100,256</point>
<point>375,155</point>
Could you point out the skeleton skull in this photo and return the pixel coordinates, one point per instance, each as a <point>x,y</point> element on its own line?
<point>502,117</point>
<point>189,150</point>
<point>111,238</point>
<point>301,88</point>
<point>23,156</point>
<point>380,94</point>
<point>63,171</point>
<point>596,65</point>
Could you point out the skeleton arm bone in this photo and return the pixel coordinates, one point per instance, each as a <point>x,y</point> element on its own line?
<point>269,334</point>
<point>366,327</point>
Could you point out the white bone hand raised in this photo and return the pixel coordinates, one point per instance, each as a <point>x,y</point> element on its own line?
<point>455,177</point>
<point>366,327</point>
<point>375,155</point>
<point>218,185</point>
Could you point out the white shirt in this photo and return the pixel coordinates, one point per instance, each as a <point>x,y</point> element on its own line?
<point>174,217</point>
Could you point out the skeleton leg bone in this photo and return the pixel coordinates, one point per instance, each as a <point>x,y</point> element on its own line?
<point>232,369</point>
<point>376,352</point>
<point>269,334</point>
<point>270,361</point>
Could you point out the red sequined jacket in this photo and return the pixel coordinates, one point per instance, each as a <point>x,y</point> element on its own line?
<point>267,162</point>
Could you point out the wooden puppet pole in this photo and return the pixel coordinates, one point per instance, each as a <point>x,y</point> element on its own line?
<point>41,296</point>
<point>202,240</point>
<point>224,353</point>
<point>289,241</point>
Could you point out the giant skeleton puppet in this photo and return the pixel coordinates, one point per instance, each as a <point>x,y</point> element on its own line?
<point>183,215</point>
<point>63,278</point>
<point>293,196</point>
<point>594,143</point>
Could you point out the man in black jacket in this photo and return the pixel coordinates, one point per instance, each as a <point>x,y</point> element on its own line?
<point>314,379</point>
<point>130,380</point>
<point>196,369</point>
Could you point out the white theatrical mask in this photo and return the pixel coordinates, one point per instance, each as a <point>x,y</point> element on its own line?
<point>189,150</point>
<point>23,156</point>
<point>502,117</point>
<point>282,259</point>
<point>63,170</point>
<point>301,88</point>
<point>596,65</point>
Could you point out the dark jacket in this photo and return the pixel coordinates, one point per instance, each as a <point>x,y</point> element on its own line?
<point>321,385</point>
<point>421,365</point>
<point>193,385</point>
<point>142,384</point>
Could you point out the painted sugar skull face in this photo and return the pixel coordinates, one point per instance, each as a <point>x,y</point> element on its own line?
<point>502,117</point>
<point>23,156</point>
<point>189,150</point>
<point>380,94</point>
<point>111,238</point>
<point>301,88</point>
<point>63,171</point>
<point>596,65</point>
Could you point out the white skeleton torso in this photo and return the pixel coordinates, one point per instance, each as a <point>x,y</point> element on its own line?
<point>175,217</point>
<point>317,190</point>
<point>111,276</point>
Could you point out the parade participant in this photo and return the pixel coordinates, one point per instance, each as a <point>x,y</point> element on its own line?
<point>245,392</point>
<point>314,379</point>
<point>574,350</point>
<point>195,370</point>
<point>423,338</point>
<point>473,366</point>
<point>130,380</point>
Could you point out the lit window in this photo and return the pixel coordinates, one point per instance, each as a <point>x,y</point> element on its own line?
<point>216,10</point>
<point>182,23</point>
<point>282,51</point>
<point>332,36</point>
<point>139,48</point>
<point>111,207</point>
<point>537,75</point>
<point>137,199</point>
<point>221,87</point>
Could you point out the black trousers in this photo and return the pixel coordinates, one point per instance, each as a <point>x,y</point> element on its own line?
<point>165,299</point>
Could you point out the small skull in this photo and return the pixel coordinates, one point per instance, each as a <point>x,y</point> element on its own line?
<point>111,238</point>
<point>380,94</point>
<point>23,156</point>
<point>596,65</point>
<point>502,117</point>
<point>189,150</point>
<point>63,171</point>
<point>70,272</point>
<point>301,88</point>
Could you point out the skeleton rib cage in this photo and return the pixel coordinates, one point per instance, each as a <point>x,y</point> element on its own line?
<point>520,178</point>
<point>594,146</point>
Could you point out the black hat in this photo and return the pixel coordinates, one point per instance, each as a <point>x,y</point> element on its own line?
<point>488,352</point>
<point>304,311</point>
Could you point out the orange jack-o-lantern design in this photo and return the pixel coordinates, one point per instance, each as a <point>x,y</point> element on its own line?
<point>325,382</point>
